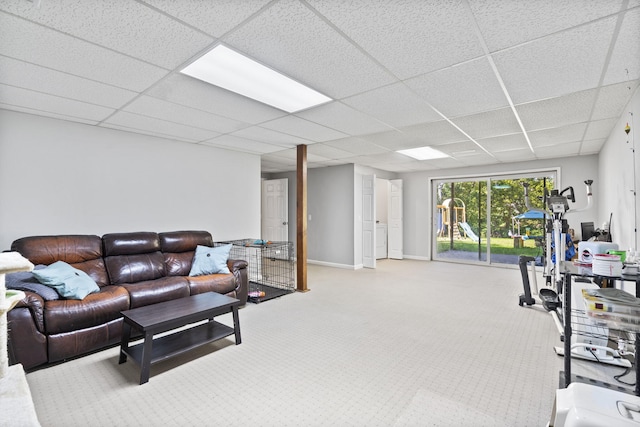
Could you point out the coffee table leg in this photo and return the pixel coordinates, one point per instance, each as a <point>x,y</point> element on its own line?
<point>236,324</point>
<point>124,342</point>
<point>145,366</point>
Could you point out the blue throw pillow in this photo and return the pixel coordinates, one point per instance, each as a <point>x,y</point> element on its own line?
<point>209,260</point>
<point>70,282</point>
<point>25,281</point>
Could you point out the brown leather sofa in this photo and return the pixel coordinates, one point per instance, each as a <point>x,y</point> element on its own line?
<point>131,269</point>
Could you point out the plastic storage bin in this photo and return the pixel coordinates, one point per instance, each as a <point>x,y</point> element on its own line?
<point>586,250</point>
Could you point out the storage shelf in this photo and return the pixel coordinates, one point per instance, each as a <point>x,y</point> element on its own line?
<point>180,342</point>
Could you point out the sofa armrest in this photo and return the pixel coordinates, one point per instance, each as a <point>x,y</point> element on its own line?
<point>238,268</point>
<point>35,304</point>
<point>27,341</point>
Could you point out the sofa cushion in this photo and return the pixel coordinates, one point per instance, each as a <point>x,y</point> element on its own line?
<point>135,268</point>
<point>178,248</point>
<point>184,241</point>
<point>158,290</point>
<point>83,252</point>
<point>71,249</point>
<point>142,242</point>
<point>70,315</point>
<point>68,281</point>
<point>210,260</point>
<point>133,257</point>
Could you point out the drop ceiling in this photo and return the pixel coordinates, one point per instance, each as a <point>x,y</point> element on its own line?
<point>484,81</point>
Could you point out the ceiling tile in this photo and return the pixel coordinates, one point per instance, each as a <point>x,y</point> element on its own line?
<point>302,128</point>
<point>390,158</point>
<point>559,135</point>
<point>555,65</point>
<point>491,123</point>
<point>241,144</point>
<point>497,144</point>
<point>460,149</point>
<point>194,93</point>
<point>327,151</point>
<point>613,99</point>
<point>522,155</point>
<point>558,150</point>
<point>33,77</point>
<point>37,101</point>
<point>435,133</point>
<point>269,136</point>
<point>409,37</point>
<point>127,27</point>
<point>601,129</point>
<point>393,140</point>
<point>176,113</point>
<point>47,114</point>
<point>215,21</point>
<point>592,147</point>
<point>357,146</point>
<point>288,37</point>
<point>624,64</point>
<point>396,105</point>
<point>463,89</point>
<point>33,43</point>
<point>556,112</point>
<point>508,23</point>
<point>477,159</point>
<point>343,118</point>
<point>292,154</point>
<point>158,126</point>
<point>446,163</point>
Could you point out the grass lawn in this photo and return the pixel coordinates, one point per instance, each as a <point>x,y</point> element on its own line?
<point>498,246</point>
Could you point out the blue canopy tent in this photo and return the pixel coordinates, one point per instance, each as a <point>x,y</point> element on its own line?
<point>527,215</point>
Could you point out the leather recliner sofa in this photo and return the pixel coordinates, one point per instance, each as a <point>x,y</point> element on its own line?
<point>131,269</point>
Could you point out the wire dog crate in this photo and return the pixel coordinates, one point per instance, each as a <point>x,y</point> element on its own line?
<point>270,269</point>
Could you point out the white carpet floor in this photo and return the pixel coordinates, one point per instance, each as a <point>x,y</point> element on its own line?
<point>411,343</point>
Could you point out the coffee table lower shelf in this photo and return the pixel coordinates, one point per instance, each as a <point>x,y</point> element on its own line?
<point>180,342</point>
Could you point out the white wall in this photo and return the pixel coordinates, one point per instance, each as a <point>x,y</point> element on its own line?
<point>59,177</point>
<point>418,212</point>
<point>330,229</point>
<point>616,162</point>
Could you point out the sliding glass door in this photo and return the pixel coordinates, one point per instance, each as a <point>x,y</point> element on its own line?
<point>485,220</point>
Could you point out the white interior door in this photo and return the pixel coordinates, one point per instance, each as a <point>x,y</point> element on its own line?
<point>275,210</point>
<point>369,221</point>
<point>395,220</point>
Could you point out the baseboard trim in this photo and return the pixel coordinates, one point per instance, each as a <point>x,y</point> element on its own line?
<point>416,257</point>
<point>332,264</point>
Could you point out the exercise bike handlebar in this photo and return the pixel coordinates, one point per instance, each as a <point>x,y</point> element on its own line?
<point>571,197</point>
<point>589,197</point>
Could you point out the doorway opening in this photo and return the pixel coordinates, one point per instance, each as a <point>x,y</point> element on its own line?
<point>382,221</point>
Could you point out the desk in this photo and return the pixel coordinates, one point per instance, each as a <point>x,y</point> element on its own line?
<point>568,269</point>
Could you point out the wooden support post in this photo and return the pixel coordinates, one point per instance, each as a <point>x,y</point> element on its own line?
<point>301,218</point>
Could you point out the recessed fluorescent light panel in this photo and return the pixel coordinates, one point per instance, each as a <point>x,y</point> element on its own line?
<point>423,153</point>
<point>230,70</point>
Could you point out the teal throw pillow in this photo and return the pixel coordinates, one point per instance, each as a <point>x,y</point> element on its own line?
<point>209,260</point>
<point>70,282</point>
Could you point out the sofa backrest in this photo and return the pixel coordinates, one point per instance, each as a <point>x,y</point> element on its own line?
<point>133,257</point>
<point>178,248</point>
<point>83,252</point>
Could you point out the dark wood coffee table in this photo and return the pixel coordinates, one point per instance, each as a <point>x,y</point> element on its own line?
<point>169,315</point>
